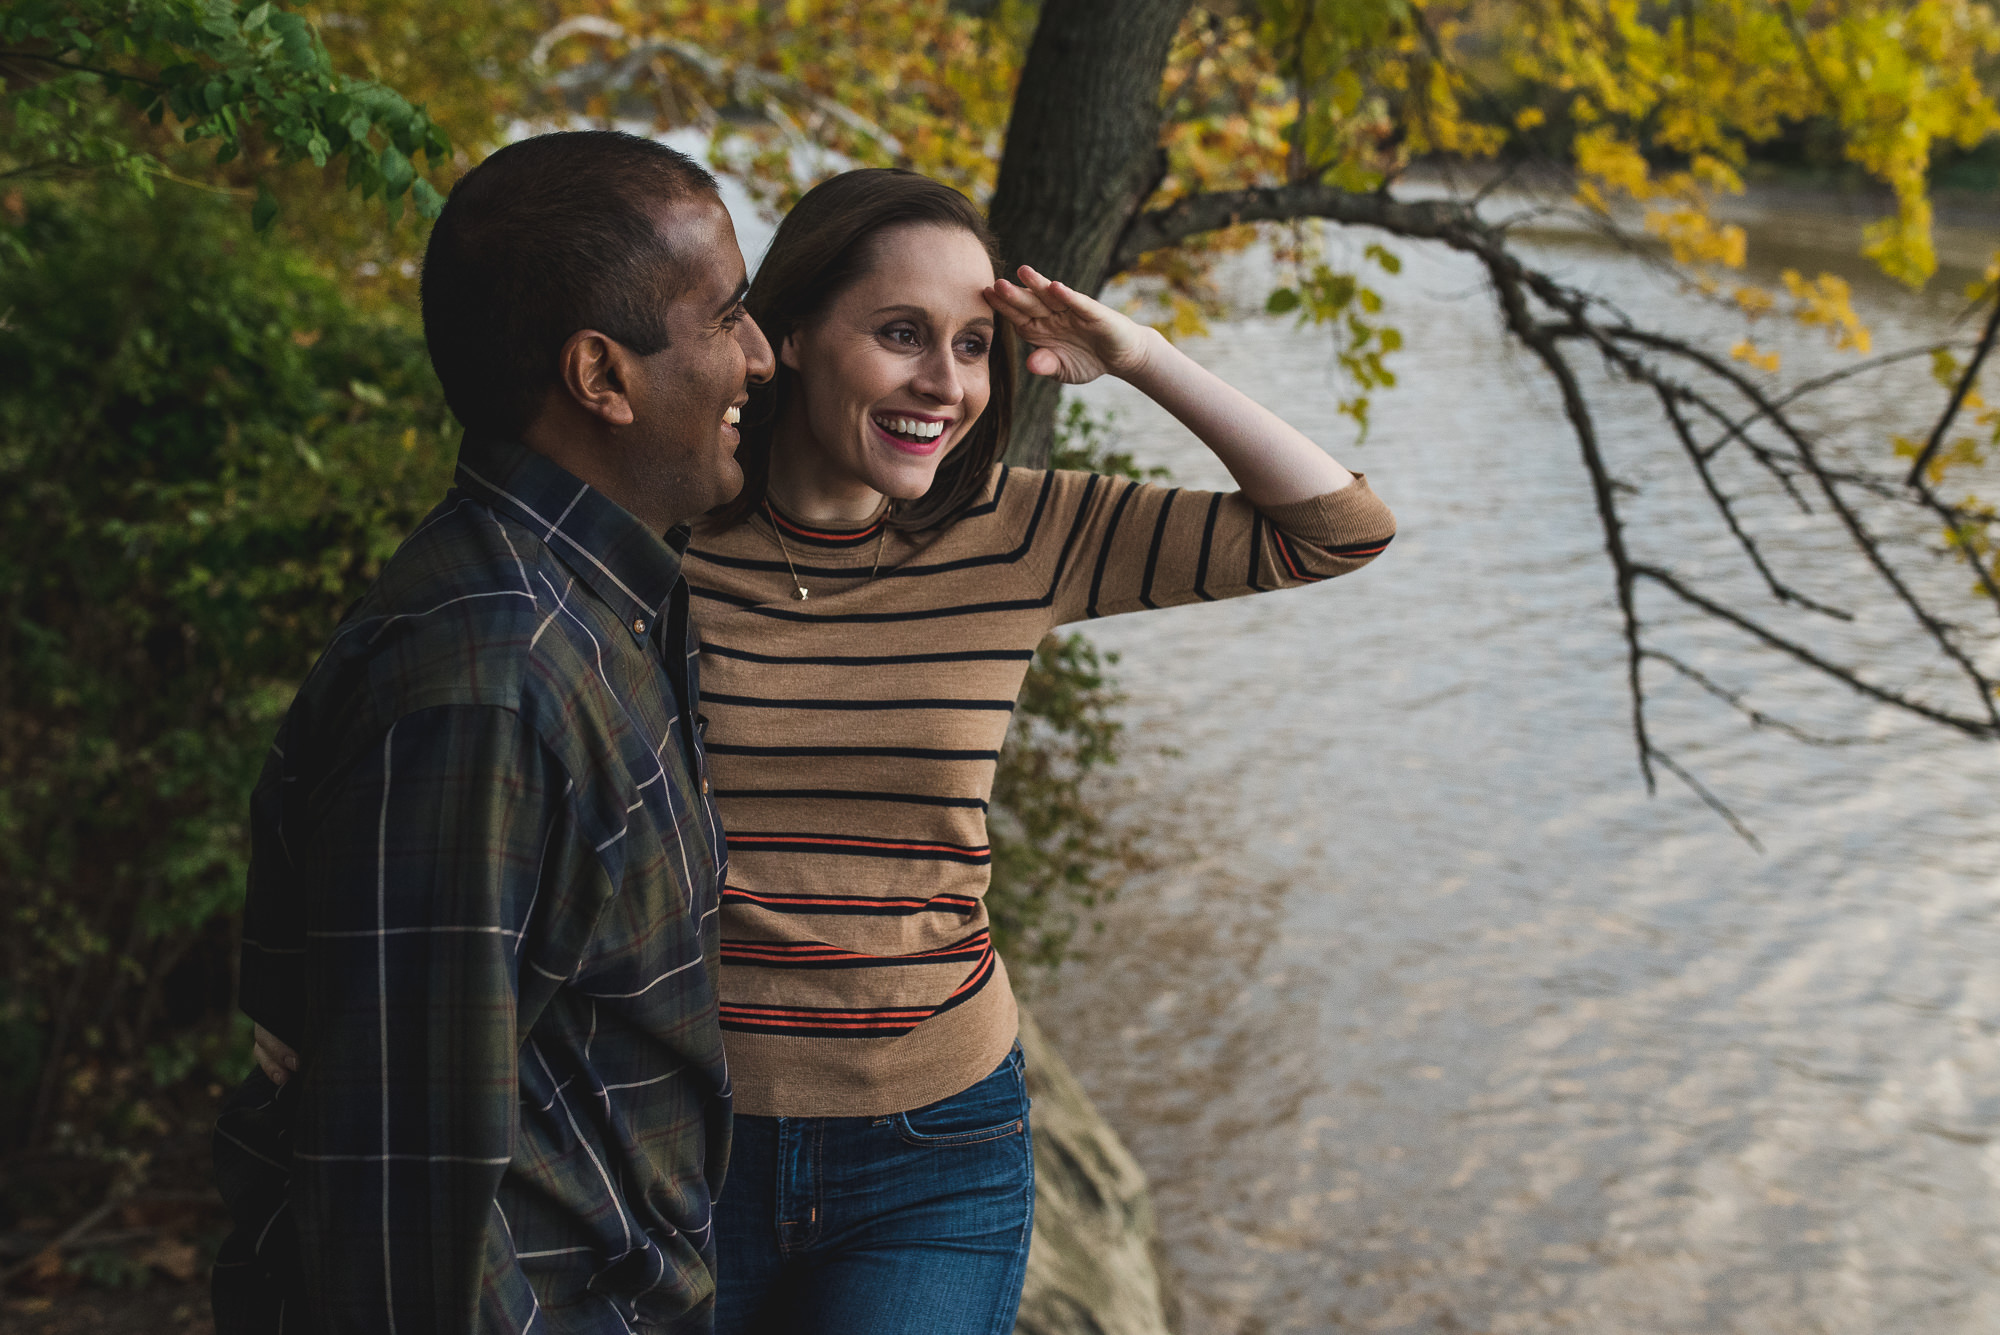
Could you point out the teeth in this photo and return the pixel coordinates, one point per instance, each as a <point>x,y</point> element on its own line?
<point>910,426</point>
<point>732,415</point>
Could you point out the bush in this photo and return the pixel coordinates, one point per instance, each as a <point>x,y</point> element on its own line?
<point>1054,856</point>
<point>205,455</point>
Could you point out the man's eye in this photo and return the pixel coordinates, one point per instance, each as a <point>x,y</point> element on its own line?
<point>736,316</point>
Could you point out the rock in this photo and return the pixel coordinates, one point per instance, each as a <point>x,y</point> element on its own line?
<point>1092,1268</point>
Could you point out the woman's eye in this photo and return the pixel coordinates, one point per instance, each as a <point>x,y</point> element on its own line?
<point>973,348</point>
<point>901,335</point>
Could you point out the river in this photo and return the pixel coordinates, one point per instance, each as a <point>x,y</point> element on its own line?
<point>1429,1018</point>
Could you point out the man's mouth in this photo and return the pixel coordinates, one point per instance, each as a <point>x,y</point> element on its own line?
<point>731,415</point>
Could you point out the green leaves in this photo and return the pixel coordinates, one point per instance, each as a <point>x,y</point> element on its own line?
<point>205,454</point>
<point>1338,301</point>
<point>252,79</point>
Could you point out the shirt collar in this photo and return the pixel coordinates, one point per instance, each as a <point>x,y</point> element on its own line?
<point>628,565</point>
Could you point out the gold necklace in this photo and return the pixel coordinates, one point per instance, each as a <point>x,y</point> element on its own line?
<point>802,592</point>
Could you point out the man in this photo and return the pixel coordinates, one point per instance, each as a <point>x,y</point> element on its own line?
<point>485,866</point>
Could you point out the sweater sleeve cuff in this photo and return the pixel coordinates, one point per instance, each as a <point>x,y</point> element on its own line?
<point>1354,514</point>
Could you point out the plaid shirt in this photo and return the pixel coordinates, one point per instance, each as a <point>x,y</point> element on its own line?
<point>482,907</point>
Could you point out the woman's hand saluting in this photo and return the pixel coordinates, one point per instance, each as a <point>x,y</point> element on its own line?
<point>1075,339</point>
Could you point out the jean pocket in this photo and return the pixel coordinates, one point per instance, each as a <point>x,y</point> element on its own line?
<point>993,1109</point>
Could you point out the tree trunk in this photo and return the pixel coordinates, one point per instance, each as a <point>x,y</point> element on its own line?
<point>1082,156</point>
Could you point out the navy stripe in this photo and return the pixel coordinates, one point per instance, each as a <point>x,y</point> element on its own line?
<point>1256,549</point>
<point>845,795</point>
<point>831,845</point>
<point>760,702</point>
<point>871,660</point>
<point>1207,544</point>
<point>1153,552</point>
<point>894,752</point>
<point>856,907</point>
<point>871,962</point>
<point>755,608</point>
<point>1104,546</point>
<point>1075,528</point>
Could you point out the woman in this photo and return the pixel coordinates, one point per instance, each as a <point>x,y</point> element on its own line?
<point>868,609</point>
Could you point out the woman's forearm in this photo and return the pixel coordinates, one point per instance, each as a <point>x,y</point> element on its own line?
<point>1272,462</point>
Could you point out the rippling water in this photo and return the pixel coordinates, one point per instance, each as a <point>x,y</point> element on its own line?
<point>1432,1020</point>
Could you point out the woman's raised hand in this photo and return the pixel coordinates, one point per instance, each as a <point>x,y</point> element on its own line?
<point>1075,339</point>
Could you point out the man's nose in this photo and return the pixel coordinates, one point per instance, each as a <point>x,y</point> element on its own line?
<point>759,363</point>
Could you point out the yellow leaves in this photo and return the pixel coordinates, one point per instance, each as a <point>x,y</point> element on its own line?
<point>1529,118</point>
<point>1746,351</point>
<point>1753,301</point>
<point>1616,162</point>
<point>1901,246</point>
<point>1694,238</point>
<point>1827,302</point>
<point>1183,318</point>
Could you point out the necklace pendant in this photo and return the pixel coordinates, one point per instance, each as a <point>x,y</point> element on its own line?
<point>803,594</point>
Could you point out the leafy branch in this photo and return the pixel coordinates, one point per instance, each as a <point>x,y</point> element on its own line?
<point>253,80</point>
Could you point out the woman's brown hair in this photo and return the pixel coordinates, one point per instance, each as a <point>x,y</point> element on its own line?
<point>824,246</point>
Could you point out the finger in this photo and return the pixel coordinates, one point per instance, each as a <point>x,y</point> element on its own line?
<point>1022,300</point>
<point>1050,292</point>
<point>1043,362</point>
<point>1007,307</point>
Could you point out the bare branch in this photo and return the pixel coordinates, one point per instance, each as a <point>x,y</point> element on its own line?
<point>1958,393</point>
<point>1737,701</point>
<point>1715,804</point>
<point>1971,727</point>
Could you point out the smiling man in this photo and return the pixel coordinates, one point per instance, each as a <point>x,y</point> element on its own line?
<point>485,865</point>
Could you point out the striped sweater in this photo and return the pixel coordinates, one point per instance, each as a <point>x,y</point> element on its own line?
<point>852,739</point>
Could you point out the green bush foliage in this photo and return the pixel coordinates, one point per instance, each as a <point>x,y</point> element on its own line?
<point>205,455</point>
<point>1055,857</point>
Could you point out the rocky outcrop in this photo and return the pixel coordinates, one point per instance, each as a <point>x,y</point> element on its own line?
<point>1093,1267</point>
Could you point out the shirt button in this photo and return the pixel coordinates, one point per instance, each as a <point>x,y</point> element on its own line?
<point>704,787</point>
<point>638,625</point>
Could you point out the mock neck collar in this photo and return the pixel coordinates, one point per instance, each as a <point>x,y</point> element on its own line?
<point>836,536</point>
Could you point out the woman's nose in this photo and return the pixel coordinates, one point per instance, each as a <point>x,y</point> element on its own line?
<point>937,378</point>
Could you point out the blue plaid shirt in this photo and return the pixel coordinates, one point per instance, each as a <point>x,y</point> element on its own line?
<point>482,908</point>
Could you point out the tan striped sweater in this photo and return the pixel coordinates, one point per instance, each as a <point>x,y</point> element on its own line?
<point>852,739</point>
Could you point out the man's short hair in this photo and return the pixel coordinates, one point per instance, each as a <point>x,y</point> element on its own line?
<point>549,235</point>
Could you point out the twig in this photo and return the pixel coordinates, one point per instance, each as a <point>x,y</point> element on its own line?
<point>1735,700</point>
<point>1715,804</point>
<point>1958,393</point>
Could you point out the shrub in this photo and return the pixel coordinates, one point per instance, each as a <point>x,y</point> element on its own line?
<point>205,455</point>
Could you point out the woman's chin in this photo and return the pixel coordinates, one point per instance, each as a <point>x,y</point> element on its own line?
<point>906,483</point>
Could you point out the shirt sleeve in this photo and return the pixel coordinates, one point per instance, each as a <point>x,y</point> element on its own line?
<point>1132,545</point>
<point>421,876</point>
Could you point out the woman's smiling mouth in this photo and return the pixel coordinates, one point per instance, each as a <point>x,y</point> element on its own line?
<point>912,435</point>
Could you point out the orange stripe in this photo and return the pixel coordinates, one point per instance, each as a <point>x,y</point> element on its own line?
<point>829,537</point>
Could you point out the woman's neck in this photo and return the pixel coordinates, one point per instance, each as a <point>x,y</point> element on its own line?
<point>803,483</point>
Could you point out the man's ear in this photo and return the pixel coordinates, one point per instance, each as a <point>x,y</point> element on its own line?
<point>596,371</point>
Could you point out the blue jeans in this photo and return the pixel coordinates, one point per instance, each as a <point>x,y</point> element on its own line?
<point>915,1223</point>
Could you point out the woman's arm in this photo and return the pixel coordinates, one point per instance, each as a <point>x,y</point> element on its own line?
<point>1077,339</point>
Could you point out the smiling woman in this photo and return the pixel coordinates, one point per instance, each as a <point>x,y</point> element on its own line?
<point>868,610</point>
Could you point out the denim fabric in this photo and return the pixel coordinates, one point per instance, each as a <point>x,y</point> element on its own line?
<point>916,1223</point>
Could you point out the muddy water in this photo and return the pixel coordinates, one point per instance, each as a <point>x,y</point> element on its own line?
<point>1431,1019</point>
